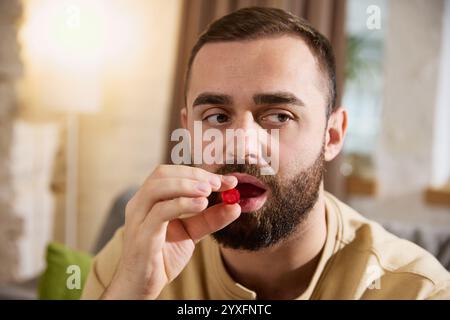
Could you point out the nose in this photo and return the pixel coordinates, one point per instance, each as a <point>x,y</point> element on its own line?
<point>243,143</point>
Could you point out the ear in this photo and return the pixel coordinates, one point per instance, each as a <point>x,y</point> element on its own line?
<point>183,115</point>
<point>335,134</point>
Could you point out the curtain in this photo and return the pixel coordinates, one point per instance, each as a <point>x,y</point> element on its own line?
<point>327,16</point>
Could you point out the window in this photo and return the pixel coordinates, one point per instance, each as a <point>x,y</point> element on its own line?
<point>363,87</point>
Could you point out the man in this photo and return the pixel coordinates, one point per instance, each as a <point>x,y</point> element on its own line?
<point>259,68</point>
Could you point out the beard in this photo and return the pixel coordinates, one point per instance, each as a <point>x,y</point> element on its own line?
<point>286,208</point>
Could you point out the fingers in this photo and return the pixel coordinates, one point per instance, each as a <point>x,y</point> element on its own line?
<point>171,209</point>
<point>169,181</point>
<point>180,171</point>
<point>167,189</point>
<point>228,182</point>
<point>211,220</point>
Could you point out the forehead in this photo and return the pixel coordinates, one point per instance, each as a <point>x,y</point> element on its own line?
<point>245,67</point>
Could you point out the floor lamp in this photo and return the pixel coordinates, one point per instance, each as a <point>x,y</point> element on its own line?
<point>64,44</point>
<point>71,207</point>
<point>86,94</point>
<point>76,93</point>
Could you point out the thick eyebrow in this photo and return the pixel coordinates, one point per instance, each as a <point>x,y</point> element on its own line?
<point>213,99</point>
<point>275,98</point>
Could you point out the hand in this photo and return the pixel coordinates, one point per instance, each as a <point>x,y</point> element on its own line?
<point>157,243</point>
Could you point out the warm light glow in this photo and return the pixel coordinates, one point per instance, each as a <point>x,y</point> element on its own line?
<point>67,46</point>
<point>64,31</point>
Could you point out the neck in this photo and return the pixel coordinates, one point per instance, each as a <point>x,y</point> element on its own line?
<point>282,271</point>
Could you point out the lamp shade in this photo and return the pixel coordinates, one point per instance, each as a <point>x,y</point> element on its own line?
<point>68,90</point>
<point>64,54</point>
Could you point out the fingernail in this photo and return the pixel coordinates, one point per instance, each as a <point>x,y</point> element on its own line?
<point>203,187</point>
<point>229,179</point>
<point>215,181</point>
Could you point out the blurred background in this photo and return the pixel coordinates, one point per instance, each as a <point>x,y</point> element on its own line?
<point>91,89</point>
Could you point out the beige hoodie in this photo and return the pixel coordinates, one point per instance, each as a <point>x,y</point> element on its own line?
<point>360,260</point>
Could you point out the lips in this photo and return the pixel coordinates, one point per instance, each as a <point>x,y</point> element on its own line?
<point>253,192</point>
<point>248,190</point>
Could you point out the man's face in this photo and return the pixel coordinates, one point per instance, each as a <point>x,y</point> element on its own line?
<point>271,83</point>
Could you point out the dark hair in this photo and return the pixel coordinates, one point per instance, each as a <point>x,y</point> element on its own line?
<point>256,22</point>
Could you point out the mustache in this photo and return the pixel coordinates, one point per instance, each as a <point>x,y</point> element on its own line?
<point>250,169</point>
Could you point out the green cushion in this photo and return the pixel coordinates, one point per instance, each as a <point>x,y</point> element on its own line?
<point>66,273</point>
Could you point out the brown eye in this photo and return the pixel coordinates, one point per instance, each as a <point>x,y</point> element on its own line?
<point>217,119</point>
<point>283,117</point>
<point>277,118</point>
